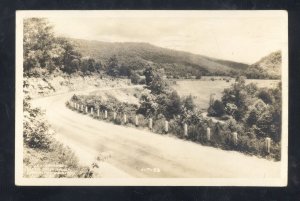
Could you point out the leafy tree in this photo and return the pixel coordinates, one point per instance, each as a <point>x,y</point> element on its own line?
<point>43,52</point>
<point>158,85</point>
<point>149,74</point>
<point>217,109</point>
<point>36,132</point>
<point>38,44</point>
<point>154,81</point>
<point>251,89</point>
<point>269,122</point>
<point>233,126</point>
<point>241,80</point>
<point>252,118</point>
<point>266,96</point>
<point>230,108</point>
<point>162,101</point>
<point>125,71</point>
<point>98,66</point>
<point>113,66</point>
<point>218,129</point>
<point>173,105</point>
<point>148,105</point>
<point>73,66</point>
<point>70,58</point>
<point>264,123</point>
<point>88,65</point>
<point>238,96</point>
<point>91,66</point>
<point>168,100</point>
<point>258,111</point>
<point>188,103</point>
<point>255,111</point>
<point>135,78</point>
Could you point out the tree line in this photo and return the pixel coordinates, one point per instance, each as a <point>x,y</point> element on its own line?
<point>45,53</point>
<point>257,111</point>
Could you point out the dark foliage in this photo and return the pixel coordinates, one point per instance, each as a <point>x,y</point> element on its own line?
<point>258,110</point>
<point>137,56</point>
<point>44,53</point>
<point>217,109</point>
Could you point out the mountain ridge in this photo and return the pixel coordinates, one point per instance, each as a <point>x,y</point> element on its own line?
<point>138,54</point>
<point>268,66</point>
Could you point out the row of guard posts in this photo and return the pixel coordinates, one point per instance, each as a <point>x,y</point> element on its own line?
<point>166,128</point>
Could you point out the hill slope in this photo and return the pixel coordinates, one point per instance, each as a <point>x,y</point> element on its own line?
<point>137,56</point>
<point>267,67</point>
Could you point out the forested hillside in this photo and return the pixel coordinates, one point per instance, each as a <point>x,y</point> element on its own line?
<point>267,67</point>
<point>137,56</point>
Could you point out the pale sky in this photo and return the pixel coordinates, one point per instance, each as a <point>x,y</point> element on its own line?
<point>237,36</point>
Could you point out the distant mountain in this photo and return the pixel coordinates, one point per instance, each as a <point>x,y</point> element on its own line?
<point>136,56</point>
<point>267,67</point>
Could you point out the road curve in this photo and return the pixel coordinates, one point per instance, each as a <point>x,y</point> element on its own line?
<point>139,153</point>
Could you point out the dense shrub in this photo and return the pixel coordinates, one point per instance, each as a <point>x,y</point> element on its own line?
<point>176,127</point>
<point>265,95</point>
<point>275,151</point>
<point>251,146</point>
<point>162,99</point>
<point>171,105</point>
<point>148,105</point>
<point>217,109</point>
<point>137,79</point>
<point>188,103</point>
<point>111,104</point>
<point>143,122</point>
<point>258,110</point>
<point>198,77</point>
<point>220,136</point>
<point>118,119</point>
<point>36,132</point>
<point>65,155</point>
<point>197,133</point>
<point>159,124</point>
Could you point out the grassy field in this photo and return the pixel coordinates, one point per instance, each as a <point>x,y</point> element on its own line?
<point>202,89</point>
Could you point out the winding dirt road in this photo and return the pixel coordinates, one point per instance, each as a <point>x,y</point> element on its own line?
<point>141,154</point>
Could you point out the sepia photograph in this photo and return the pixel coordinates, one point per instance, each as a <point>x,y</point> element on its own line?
<point>151,98</point>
